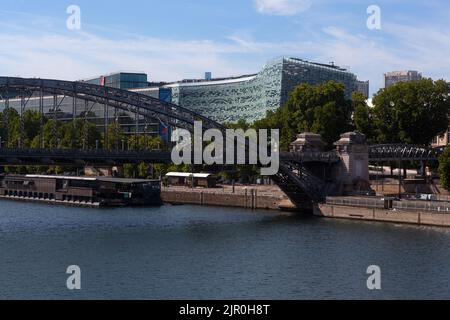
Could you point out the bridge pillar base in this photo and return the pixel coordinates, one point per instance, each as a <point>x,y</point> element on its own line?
<point>353,172</point>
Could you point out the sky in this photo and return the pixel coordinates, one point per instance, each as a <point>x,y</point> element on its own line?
<point>178,39</point>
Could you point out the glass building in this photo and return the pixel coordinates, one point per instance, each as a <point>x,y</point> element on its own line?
<point>394,77</point>
<point>96,113</point>
<point>363,87</point>
<point>121,80</point>
<point>247,97</point>
<point>250,97</point>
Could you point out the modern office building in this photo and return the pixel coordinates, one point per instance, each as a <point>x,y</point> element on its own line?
<point>249,97</point>
<point>363,87</point>
<point>121,80</point>
<point>94,113</point>
<point>393,77</point>
<point>442,140</point>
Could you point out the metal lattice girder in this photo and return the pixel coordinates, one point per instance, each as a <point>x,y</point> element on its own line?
<point>403,152</point>
<point>305,157</point>
<point>303,180</point>
<point>79,157</point>
<point>136,103</point>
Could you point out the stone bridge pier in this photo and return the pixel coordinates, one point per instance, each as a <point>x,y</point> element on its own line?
<point>352,172</point>
<point>342,171</point>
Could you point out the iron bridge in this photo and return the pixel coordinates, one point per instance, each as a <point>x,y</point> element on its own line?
<point>403,152</point>
<point>298,175</point>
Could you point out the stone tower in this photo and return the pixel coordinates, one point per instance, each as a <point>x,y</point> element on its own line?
<point>307,142</point>
<point>354,168</point>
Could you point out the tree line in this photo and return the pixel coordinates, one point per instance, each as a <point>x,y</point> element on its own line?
<point>34,131</point>
<point>411,112</point>
<point>408,112</point>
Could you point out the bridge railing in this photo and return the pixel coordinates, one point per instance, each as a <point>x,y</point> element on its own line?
<point>67,156</point>
<point>403,152</point>
<point>435,206</point>
<point>362,202</point>
<point>380,203</point>
<point>327,157</point>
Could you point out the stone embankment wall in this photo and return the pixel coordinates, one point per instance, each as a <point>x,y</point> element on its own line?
<point>429,218</point>
<point>250,198</point>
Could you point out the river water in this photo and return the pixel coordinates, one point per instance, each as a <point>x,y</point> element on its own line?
<point>189,252</point>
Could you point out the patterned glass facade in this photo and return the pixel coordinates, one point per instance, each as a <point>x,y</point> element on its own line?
<point>250,97</point>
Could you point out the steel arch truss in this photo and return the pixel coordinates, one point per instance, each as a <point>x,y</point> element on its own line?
<point>300,184</point>
<point>308,157</point>
<point>402,152</point>
<point>138,104</point>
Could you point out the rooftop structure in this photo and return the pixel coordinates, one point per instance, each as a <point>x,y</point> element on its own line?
<point>363,87</point>
<point>249,97</point>
<point>121,80</point>
<point>394,77</point>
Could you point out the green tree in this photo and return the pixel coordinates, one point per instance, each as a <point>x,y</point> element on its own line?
<point>129,170</point>
<point>21,133</point>
<point>145,142</point>
<point>32,125</point>
<point>10,128</point>
<point>115,137</point>
<point>412,112</point>
<point>444,168</point>
<point>320,109</point>
<point>80,134</point>
<point>141,170</point>
<point>240,124</point>
<point>52,135</point>
<point>363,116</point>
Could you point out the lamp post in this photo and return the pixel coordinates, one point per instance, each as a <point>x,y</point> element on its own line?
<point>400,179</point>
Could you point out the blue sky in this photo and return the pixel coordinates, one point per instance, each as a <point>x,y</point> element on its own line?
<point>176,39</point>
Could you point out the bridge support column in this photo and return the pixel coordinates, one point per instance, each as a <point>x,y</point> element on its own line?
<point>353,172</point>
<point>307,142</point>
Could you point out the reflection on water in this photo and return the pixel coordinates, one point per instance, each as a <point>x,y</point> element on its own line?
<point>189,252</point>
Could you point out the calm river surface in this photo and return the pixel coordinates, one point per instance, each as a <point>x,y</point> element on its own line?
<point>189,252</point>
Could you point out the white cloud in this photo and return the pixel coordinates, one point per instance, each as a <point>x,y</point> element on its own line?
<point>409,47</point>
<point>78,55</point>
<point>282,7</point>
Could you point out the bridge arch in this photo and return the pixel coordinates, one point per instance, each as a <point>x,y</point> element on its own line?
<point>301,185</point>
<point>127,101</point>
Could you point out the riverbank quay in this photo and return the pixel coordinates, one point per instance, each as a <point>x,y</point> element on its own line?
<point>383,209</point>
<point>247,197</point>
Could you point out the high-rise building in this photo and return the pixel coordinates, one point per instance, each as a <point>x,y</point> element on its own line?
<point>249,97</point>
<point>363,87</point>
<point>393,77</point>
<point>121,80</point>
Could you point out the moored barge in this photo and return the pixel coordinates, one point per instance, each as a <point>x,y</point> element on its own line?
<point>83,191</point>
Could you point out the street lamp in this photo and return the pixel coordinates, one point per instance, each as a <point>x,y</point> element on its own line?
<point>146,136</point>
